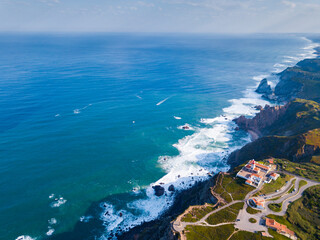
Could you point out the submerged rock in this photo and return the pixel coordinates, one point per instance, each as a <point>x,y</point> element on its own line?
<point>171,188</point>
<point>158,190</point>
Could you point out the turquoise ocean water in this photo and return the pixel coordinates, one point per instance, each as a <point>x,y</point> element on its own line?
<point>85,119</point>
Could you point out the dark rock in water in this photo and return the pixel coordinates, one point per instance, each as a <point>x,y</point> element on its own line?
<point>186,127</point>
<point>158,190</point>
<point>258,107</point>
<point>264,87</point>
<point>171,188</point>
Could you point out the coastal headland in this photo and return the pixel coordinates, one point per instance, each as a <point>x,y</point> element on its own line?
<point>289,134</point>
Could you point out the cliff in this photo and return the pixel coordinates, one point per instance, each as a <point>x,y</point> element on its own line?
<point>294,118</point>
<point>300,81</point>
<point>299,148</point>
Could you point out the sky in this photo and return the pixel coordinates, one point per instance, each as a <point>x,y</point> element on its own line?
<point>202,16</point>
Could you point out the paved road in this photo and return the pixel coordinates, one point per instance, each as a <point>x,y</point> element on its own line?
<point>290,197</point>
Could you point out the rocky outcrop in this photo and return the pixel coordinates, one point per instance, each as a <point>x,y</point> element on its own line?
<point>266,117</point>
<point>158,190</point>
<point>264,87</point>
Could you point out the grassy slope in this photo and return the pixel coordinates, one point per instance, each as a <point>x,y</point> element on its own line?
<point>197,213</point>
<point>221,233</point>
<point>200,232</point>
<point>230,185</point>
<point>242,235</point>
<point>307,170</point>
<point>228,214</point>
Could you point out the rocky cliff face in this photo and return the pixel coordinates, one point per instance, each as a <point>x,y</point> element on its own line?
<point>266,117</point>
<point>287,88</point>
<point>295,148</point>
<point>296,117</point>
<point>290,131</point>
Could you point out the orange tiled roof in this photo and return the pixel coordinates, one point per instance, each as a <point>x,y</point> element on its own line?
<point>278,226</point>
<point>256,175</point>
<point>272,223</point>
<point>262,166</point>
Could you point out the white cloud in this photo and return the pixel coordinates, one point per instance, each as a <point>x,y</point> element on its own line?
<point>289,4</point>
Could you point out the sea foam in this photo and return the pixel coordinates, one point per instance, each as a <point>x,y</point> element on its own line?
<point>24,237</point>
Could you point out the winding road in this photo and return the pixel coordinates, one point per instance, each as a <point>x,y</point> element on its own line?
<point>243,217</point>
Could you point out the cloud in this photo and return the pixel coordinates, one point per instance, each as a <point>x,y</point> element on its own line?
<point>289,4</point>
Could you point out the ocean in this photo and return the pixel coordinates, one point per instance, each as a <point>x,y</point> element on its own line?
<point>90,122</point>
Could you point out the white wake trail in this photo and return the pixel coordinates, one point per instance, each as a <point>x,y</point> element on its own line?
<point>159,103</point>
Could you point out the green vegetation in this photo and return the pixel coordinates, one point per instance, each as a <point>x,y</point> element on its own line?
<point>228,214</point>
<point>291,189</point>
<point>315,159</point>
<point>243,235</point>
<point>305,169</point>
<point>303,215</point>
<point>197,213</point>
<point>274,185</point>
<point>274,199</point>
<point>229,185</point>
<point>277,235</point>
<point>252,220</point>
<point>302,183</point>
<point>202,232</point>
<point>221,232</point>
<point>252,211</point>
<point>276,207</point>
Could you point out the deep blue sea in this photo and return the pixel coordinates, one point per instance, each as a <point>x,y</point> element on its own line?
<point>89,122</point>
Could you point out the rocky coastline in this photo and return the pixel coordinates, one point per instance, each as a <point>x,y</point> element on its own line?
<point>263,128</point>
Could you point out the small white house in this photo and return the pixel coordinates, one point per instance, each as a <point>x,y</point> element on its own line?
<point>274,176</point>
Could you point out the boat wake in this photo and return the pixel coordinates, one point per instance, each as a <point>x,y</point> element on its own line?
<point>159,103</point>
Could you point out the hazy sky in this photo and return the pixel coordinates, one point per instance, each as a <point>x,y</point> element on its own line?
<point>227,16</point>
